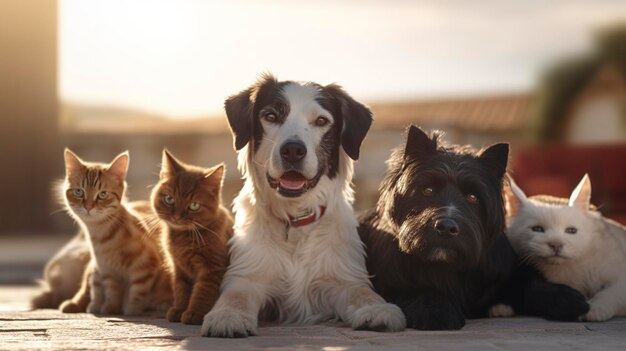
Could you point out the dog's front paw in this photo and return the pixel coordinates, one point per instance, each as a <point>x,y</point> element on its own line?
<point>379,317</point>
<point>229,323</point>
<point>433,315</point>
<point>559,302</point>
<point>598,313</point>
<point>192,317</point>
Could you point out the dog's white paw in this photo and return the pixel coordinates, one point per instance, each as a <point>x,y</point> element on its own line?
<point>228,323</point>
<point>501,311</point>
<point>379,317</point>
<point>598,313</point>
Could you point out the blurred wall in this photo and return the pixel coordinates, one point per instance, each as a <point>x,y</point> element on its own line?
<point>207,149</point>
<point>28,113</point>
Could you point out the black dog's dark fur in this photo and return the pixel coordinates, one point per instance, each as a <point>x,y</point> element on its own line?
<point>441,276</point>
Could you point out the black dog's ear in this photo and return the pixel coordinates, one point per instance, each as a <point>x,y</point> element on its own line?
<point>419,145</point>
<point>496,158</point>
<point>239,109</point>
<point>357,119</point>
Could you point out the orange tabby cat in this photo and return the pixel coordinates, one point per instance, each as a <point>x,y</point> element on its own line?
<point>126,273</point>
<point>196,229</point>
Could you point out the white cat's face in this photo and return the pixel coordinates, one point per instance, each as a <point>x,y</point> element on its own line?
<point>551,232</point>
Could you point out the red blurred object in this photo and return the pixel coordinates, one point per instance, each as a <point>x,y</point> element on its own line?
<point>556,169</point>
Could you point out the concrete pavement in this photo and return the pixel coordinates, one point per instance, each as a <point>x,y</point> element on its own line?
<point>50,330</point>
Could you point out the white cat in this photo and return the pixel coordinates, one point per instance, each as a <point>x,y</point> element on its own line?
<point>572,244</point>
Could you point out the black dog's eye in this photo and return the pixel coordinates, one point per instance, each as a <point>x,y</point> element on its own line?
<point>270,117</point>
<point>321,121</point>
<point>472,199</point>
<point>571,230</point>
<point>427,191</point>
<point>538,229</point>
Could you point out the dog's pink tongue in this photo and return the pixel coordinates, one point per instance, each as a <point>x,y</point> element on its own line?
<point>292,181</point>
<point>292,184</point>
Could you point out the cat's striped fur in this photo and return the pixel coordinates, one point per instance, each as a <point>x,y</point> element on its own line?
<point>126,273</point>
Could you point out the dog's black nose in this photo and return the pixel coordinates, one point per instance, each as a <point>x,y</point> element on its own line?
<point>447,226</point>
<point>293,151</point>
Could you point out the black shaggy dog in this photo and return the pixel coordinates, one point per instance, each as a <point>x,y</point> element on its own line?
<point>436,245</point>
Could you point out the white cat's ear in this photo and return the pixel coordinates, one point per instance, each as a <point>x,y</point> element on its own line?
<point>581,196</point>
<point>169,164</point>
<point>515,198</point>
<point>119,166</point>
<point>73,163</point>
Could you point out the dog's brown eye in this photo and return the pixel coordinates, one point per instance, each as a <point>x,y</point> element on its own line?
<point>571,230</point>
<point>270,117</point>
<point>427,191</point>
<point>472,199</point>
<point>321,121</point>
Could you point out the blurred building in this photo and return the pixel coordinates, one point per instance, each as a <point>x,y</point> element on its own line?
<point>575,122</point>
<point>28,113</point>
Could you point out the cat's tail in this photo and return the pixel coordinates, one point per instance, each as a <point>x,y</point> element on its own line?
<point>45,299</point>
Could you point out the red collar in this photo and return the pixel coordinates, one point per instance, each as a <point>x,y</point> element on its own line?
<point>306,219</point>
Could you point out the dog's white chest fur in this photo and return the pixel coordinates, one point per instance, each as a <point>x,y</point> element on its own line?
<point>300,267</point>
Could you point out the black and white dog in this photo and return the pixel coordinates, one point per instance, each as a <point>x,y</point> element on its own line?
<point>296,245</point>
<point>436,243</point>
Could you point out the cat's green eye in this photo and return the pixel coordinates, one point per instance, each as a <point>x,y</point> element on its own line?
<point>571,230</point>
<point>168,199</point>
<point>103,195</point>
<point>78,192</point>
<point>194,206</point>
<point>538,229</point>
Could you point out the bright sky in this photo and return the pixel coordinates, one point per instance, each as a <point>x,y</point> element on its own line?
<point>184,57</point>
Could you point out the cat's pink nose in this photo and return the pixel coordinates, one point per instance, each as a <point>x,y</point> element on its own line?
<point>556,247</point>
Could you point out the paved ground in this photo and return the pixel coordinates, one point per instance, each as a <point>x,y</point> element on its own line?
<point>49,329</point>
<point>21,329</point>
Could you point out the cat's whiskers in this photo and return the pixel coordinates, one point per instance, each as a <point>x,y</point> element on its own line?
<point>152,223</point>
<point>58,211</point>
<point>205,228</point>
<point>197,235</point>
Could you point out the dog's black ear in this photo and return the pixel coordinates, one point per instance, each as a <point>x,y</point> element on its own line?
<point>239,113</point>
<point>357,119</point>
<point>240,108</point>
<point>419,146</point>
<point>496,158</point>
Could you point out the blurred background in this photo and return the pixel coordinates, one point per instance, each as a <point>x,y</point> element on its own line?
<point>104,76</point>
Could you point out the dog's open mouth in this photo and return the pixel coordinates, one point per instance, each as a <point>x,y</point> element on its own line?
<point>293,184</point>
